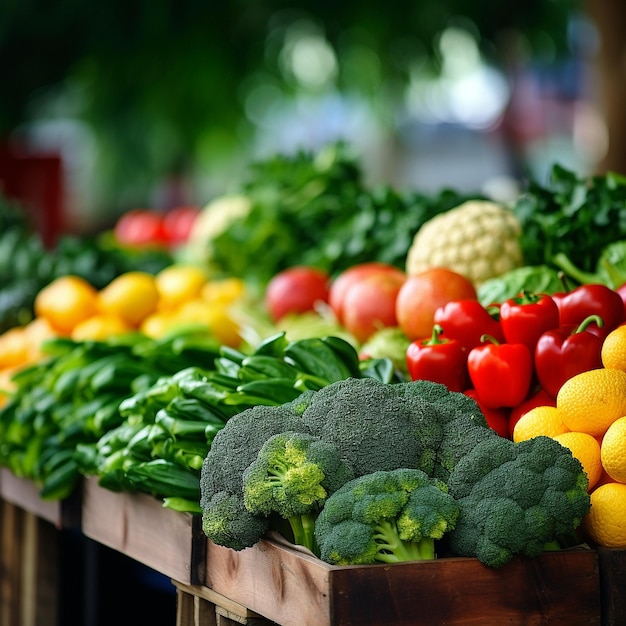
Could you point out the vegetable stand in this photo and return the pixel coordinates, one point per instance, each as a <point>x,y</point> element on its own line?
<point>273,582</point>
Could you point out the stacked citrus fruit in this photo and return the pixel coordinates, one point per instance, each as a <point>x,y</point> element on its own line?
<point>70,306</point>
<point>139,301</point>
<point>590,419</point>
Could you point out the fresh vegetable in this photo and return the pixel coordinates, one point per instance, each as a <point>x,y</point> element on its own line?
<point>577,216</point>
<point>347,415</point>
<point>385,517</point>
<point>292,476</point>
<point>532,278</point>
<point>591,299</point>
<point>467,321</point>
<point>350,276</point>
<point>527,316</point>
<point>423,293</point>
<point>275,218</point>
<point>501,373</point>
<point>515,498</point>
<point>296,290</point>
<point>565,351</point>
<point>177,418</point>
<point>370,304</point>
<point>391,343</point>
<point>438,359</point>
<point>478,238</point>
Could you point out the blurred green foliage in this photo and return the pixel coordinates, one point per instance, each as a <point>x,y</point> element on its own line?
<point>160,80</point>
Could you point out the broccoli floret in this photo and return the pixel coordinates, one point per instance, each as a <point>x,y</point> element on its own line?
<point>516,498</point>
<point>292,476</point>
<point>387,516</point>
<point>233,449</point>
<point>227,522</point>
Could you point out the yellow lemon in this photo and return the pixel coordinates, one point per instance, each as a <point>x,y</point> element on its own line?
<point>606,521</point>
<point>613,352</point>
<point>101,327</point>
<point>613,450</point>
<point>178,284</point>
<point>540,420</point>
<point>591,401</point>
<point>586,449</point>
<point>131,296</point>
<point>65,302</point>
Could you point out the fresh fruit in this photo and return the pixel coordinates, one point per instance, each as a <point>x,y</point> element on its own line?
<point>613,450</point>
<point>591,401</point>
<point>178,223</point>
<point>296,289</point>
<point>540,420</point>
<point>177,284</point>
<point>586,449</point>
<point>606,521</point>
<point>100,327</point>
<point>369,305</point>
<point>613,352</point>
<point>139,228</point>
<point>65,302</point>
<point>342,283</point>
<point>423,293</point>
<point>132,296</point>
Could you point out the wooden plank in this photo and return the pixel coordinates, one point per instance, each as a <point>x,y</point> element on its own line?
<point>613,586</point>
<point>295,589</point>
<point>29,565</point>
<point>138,526</point>
<point>25,494</point>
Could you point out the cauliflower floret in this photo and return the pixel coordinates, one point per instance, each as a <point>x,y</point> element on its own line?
<point>479,239</point>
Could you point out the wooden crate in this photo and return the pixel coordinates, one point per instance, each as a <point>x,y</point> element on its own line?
<point>138,526</point>
<point>293,588</point>
<point>24,494</point>
<point>201,606</point>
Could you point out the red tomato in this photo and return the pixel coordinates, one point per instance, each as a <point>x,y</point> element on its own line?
<point>140,227</point>
<point>296,290</point>
<point>370,304</point>
<point>423,293</point>
<point>350,276</point>
<point>178,222</point>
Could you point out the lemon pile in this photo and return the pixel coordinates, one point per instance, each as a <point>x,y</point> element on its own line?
<point>590,419</point>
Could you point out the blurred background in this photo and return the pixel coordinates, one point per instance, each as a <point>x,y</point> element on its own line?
<point>105,107</point>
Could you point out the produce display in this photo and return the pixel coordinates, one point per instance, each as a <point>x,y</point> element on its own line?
<point>372,374</point>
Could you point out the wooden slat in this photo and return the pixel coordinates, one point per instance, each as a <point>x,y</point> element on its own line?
<point>138,526</point>
<point>294,589</point>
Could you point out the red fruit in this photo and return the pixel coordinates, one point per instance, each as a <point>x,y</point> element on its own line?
<point>296,290</point>
<point>370,304</point>
<point>422,294</point>
<point>349,277</point>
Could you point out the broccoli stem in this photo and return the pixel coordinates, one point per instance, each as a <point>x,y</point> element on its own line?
<point>391,549</point>
<point>303,527</point>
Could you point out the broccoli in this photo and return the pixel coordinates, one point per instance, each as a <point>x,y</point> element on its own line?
<point>387,516</point>
<point>292,476</point>
<point>374,426</point>
<point>516,498</point>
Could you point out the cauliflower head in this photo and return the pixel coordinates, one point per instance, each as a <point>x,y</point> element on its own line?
<point>479,239</point>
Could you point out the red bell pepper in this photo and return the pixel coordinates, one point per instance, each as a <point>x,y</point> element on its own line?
<point>566,351</point>
<point>526,317</point>
<point>498,419</point>
<point>591,299</point>
<point>467,321</point>
<point>439,360</point>
<point>501,373</point>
